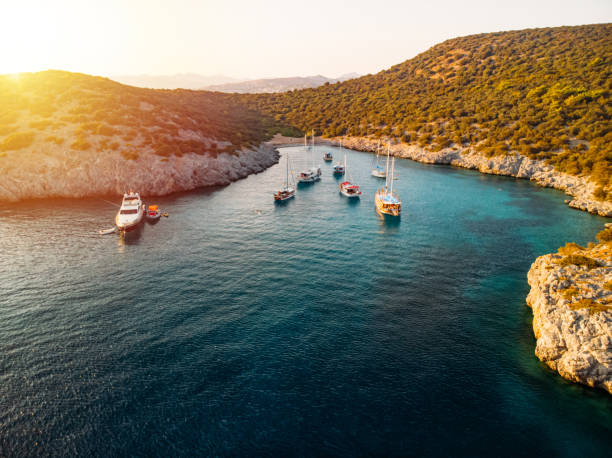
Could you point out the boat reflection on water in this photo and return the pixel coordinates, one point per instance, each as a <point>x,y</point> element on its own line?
<point>353,201</point>
<point>388,224</point>
<point>132,237</point>
<point>305,184</point>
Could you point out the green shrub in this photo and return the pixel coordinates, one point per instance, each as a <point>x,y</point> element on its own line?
<point>166,150</point>
<point>570,248</point>
<point>568,293</point>
<point>80,144</point>
<point>43,124</point>
<point>17,140</point>
<point>579,260</point>
<point>106,130</point>
<point>5,130</point>
<point>54,139</point>
<point>593,306</point>
<point>605,235</point>
<point>129,155</point>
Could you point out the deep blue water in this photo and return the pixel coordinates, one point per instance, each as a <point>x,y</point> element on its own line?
<point>241,327</point>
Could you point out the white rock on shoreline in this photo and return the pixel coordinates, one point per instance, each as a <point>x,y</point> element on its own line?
<point>30,175</point>
<point>572,317</point>
<point>513,164</point>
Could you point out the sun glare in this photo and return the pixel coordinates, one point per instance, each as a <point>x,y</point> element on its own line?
<point>32,47</point>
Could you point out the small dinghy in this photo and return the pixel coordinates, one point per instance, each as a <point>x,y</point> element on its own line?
<point>153,213</point>
<point>112,230</point>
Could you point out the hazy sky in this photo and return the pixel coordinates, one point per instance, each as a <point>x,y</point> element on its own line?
<point>250,38</point>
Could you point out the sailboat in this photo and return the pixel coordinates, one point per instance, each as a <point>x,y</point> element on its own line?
<point>378,170</point>
<point>387,202</point>
<point>313,173</point>
<point>347,188</point>
<point>287,191</point>
<point>339,167</point>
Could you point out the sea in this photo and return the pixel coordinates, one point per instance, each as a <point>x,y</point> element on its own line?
<point>238,326</point>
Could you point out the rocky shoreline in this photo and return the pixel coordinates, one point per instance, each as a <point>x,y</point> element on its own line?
<point>573,331</point>
<point>513,164</point>
<point>571,304</point>
<point>32,175</point>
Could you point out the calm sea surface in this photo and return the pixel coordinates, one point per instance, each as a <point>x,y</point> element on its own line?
<point>241,327</point>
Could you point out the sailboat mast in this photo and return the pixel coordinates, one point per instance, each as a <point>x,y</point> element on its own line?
<point>392,172</point>
<point>387,168</point>
<point>313,149</point>
<point>287,176</point>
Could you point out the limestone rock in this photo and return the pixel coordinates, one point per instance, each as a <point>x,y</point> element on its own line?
<point>572,318</point>
<point>31,175</point>
<point>512,164</point>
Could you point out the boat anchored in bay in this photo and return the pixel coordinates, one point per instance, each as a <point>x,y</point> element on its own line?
<point>378,171</point>
<point>131,212</point>
<point>313,173</point>
<point>287,190</point>
<point>387,202</point>
<point>348,189</point>
<point>153,213</point>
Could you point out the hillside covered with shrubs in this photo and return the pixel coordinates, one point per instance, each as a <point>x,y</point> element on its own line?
<point>76,112</point>
<point>544,93</point>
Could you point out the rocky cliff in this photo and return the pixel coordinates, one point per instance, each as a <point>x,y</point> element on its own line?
<point>571,297</point>
<point>79,174</point>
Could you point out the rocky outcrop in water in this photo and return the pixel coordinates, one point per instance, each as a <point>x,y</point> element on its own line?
<point>571,296</point>
<point>31,174</point>
<point>513,164</point>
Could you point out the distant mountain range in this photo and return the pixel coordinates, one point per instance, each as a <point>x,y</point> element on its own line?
<point>223,83</point>
<point>180,80</point>
<point>268,85</point>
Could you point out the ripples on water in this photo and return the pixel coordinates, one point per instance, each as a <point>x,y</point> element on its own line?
<point>237,326</point>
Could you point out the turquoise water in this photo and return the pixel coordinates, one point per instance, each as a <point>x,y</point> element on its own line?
<point>241,327</point>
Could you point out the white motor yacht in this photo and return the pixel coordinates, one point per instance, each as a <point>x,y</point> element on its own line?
<point>131,212</point>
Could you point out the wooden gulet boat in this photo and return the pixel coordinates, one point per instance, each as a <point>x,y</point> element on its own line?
<point>387,202</point>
